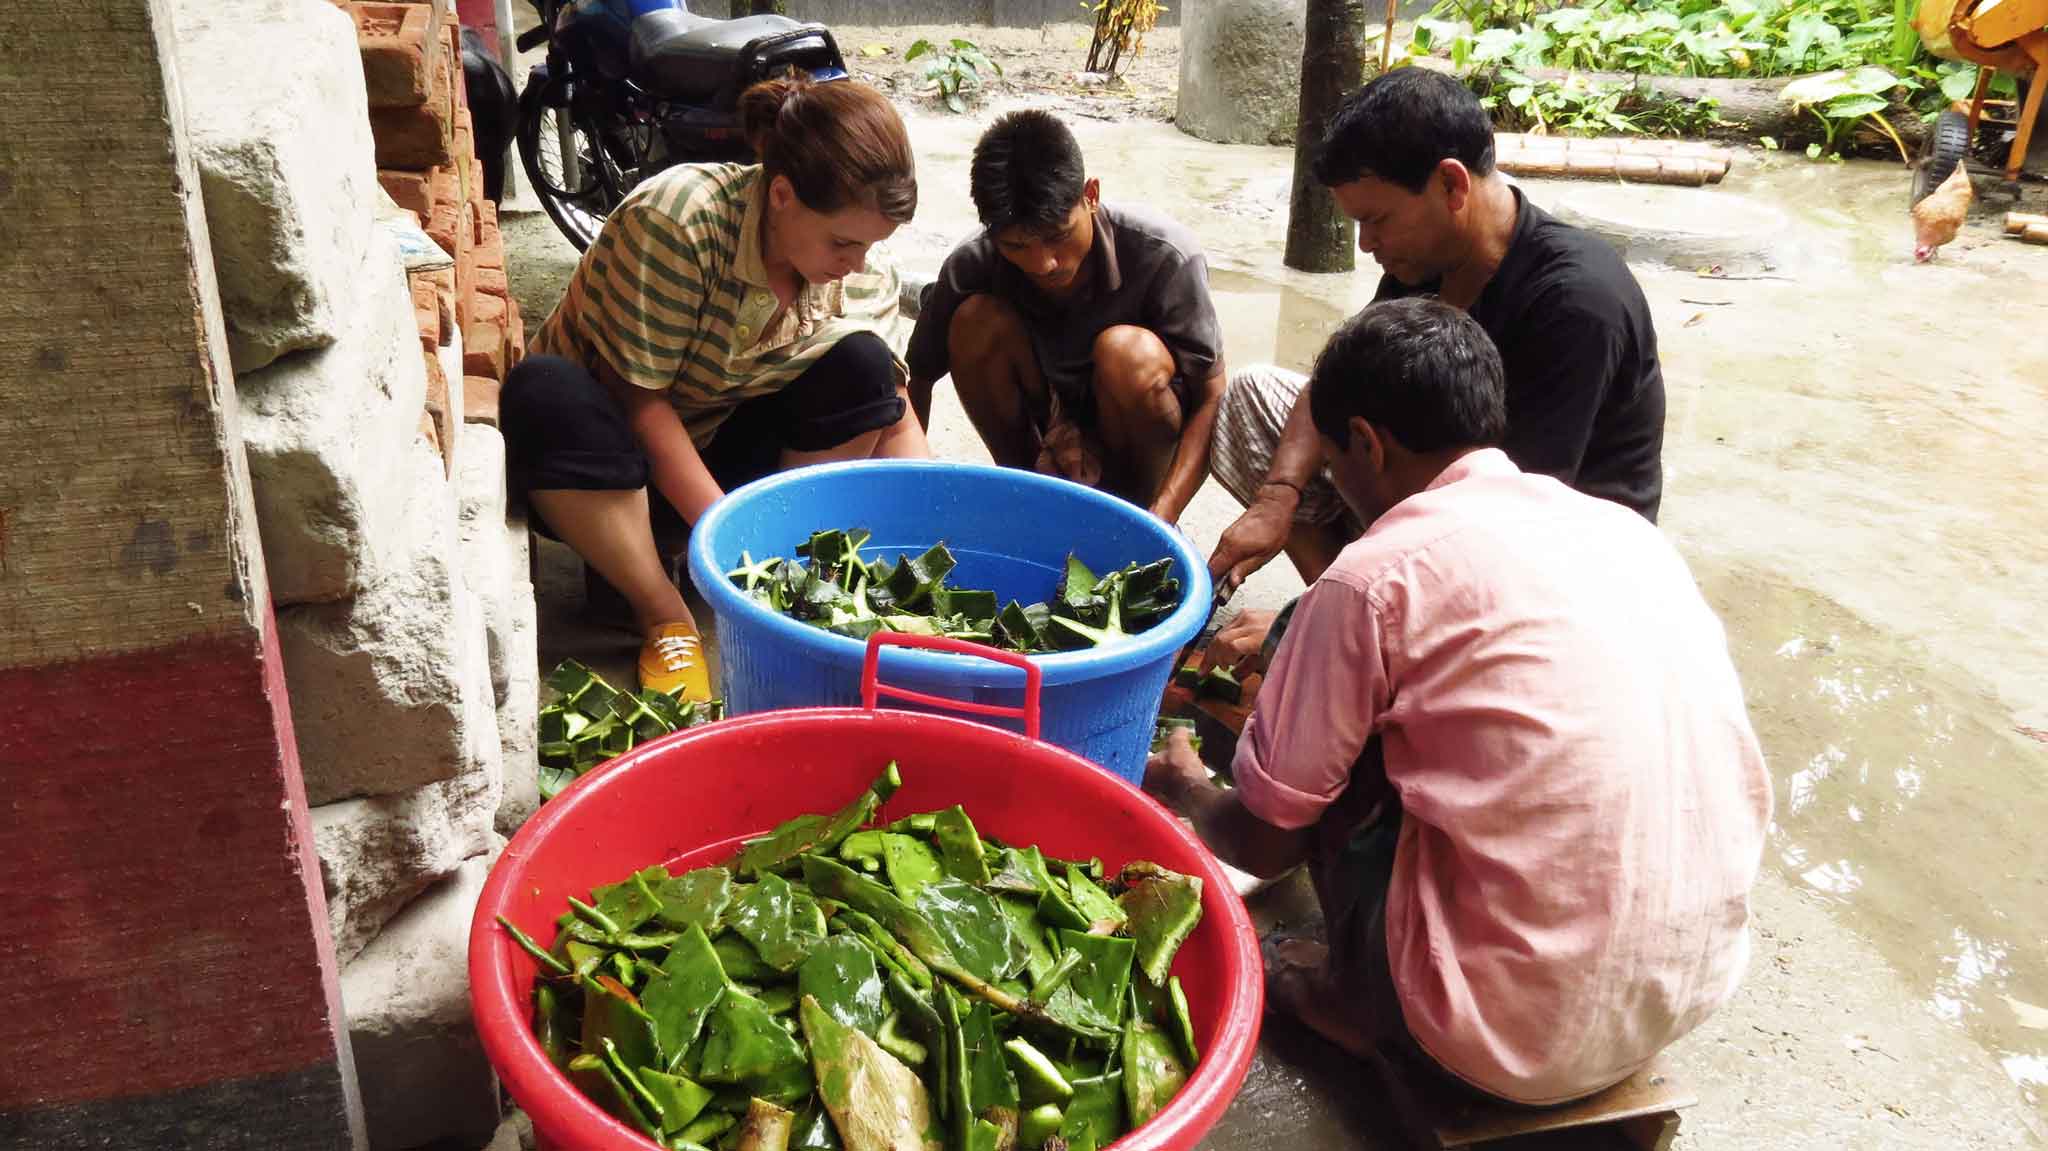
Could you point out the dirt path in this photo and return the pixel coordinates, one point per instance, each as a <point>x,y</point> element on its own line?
<point>1040,66</point>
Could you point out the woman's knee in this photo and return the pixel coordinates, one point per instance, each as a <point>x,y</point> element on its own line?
<point>550,406</point>
<point>864,360</point>
<point>540,389</point>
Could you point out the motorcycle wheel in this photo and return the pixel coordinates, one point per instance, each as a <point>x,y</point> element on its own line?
<point>576,182</point>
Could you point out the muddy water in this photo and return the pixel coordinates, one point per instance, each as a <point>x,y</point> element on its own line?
<point>1853,467</point>
<point>1905,800</point>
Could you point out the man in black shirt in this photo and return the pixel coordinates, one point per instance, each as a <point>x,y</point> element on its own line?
<point>1410,158</point>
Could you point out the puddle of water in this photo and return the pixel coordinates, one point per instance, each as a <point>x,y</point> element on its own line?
<point>1284,318</point>
<point>1904,799</point>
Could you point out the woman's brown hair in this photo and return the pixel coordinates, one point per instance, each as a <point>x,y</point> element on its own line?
<point>839,143</point>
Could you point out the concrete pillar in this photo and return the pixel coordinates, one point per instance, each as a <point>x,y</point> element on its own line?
<point>1240,70</point>
<point>170,982</point>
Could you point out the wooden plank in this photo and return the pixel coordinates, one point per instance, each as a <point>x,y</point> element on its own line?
<point>1437,1115</point>
<point>1649,1092</point>
<point>170,978</point>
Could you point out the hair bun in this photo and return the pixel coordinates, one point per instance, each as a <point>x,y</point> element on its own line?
<point>761,108</point>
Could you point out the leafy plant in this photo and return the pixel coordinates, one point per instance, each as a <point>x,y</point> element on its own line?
<point>1841,100</point>
<point>953,70</point>
<point>1120,28</point>
<point>1853,44</point>
<point>1580,106</point>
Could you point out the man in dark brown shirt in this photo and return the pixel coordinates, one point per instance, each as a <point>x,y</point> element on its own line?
<point>1080,335</point>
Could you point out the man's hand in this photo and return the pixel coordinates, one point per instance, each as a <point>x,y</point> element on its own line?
<point>1171,776</point>
<point>1240,645</point>
<point>1177,779</point>
<point>1256,536</point>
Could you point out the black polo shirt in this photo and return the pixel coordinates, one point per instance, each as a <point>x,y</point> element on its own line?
<point>1585,395</point>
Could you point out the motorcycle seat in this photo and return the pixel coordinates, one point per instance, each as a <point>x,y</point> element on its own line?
<point>684,56</point>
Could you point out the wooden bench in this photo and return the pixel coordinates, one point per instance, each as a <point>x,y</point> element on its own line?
<point>1640,1112</point>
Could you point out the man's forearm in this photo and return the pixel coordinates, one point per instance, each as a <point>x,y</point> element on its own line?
<point>1238,837</point>
<point>1299,456</point>
<point>1191,457</point>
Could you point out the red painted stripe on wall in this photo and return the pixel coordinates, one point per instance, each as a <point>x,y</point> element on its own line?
<point>166,926</point>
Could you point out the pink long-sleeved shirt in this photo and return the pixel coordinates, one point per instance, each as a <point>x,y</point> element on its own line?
<point>1584,799</point>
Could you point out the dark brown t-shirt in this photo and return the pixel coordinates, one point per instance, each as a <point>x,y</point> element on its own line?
<point>1149,272</point>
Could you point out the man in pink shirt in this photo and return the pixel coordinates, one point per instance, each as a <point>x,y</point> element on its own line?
<point>1504,732</point>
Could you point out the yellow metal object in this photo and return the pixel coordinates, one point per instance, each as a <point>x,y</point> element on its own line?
<point>672,660</point>
<point>1997,36</point>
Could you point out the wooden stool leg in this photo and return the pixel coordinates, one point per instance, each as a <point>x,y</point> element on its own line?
<point>1977,99</point>
<point>2036,85</point>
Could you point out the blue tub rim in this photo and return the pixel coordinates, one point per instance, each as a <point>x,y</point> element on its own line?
<point>1161,641</point>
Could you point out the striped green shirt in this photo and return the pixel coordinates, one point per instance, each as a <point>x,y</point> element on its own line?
<point>674,296</point>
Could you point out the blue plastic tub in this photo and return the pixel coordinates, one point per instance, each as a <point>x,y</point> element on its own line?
<point>1009,530</point>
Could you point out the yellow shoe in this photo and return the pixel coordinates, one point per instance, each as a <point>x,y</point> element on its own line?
<point>672,660</point>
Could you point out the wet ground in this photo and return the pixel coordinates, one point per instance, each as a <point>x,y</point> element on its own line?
<point>1852,468</point>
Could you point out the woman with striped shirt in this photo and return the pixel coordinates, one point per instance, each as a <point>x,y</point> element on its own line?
<point>723,326</point>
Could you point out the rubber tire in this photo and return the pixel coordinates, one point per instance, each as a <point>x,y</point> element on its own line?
<point>532,104</point>
<point>1948,144</point>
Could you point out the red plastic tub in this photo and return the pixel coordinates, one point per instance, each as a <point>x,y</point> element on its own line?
<point>689,799</point>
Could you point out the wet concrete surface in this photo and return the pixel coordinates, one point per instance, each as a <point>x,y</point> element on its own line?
<point>1852,470</point>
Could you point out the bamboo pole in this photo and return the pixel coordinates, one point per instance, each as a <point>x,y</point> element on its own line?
<point>2017,223</point>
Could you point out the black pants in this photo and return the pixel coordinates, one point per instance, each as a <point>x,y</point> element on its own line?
<point>563,429</point>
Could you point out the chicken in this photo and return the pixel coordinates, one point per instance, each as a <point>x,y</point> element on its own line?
<point>1938,217</point>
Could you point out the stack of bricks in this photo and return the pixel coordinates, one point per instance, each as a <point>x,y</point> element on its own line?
<point>427,162</point>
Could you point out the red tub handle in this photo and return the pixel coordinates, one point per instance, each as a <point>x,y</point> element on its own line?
<point>871,686</point>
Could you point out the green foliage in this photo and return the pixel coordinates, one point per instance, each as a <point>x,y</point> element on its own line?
<point>953,70</point>
<point>1842,99</point>
<point>1579,106</point>
<point>1866,55</point>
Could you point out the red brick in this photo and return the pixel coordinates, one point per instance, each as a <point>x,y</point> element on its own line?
<point>445,421</point>
<point>413,191</point>
<point>480,400</point>
<point>490,252</point>
<point>483,350</point>
<point>443,228</point>
<point>488,235</point>
<point>426,311</point>
<point>465,284</point>
<point>421,136</point>
<point>437,388</point>
<point>489,309</point>
<point>491,281</point>
<point>462,153</point>
<point>393,41</point>
<point>444,285</point>
<point>515,347</point>
<point>452,33</point>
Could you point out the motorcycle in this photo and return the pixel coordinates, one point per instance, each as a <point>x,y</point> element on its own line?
<point>631,87</point>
